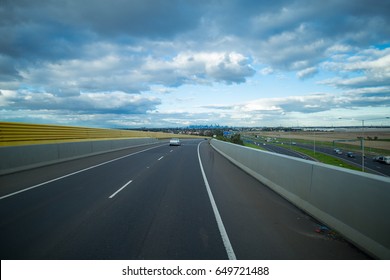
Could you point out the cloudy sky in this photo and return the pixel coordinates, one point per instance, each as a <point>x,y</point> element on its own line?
<point>172,63</point>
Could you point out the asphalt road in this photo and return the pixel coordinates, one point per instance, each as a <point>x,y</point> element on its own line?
<point>155,203</point>
<point>369,165</point>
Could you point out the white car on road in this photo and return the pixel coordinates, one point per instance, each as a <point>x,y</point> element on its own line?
<point>174,142</point>
<point>382,159</point>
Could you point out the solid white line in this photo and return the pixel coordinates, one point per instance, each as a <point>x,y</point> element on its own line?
<point>111,196</point>
<point>76,172</point>
<point>161,158</point>
<point>221,227</point>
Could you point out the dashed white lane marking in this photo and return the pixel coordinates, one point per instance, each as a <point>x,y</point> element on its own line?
<point>221,227</point>
<point>76,172</point>
<point>124,186</point>
<point>161,158</point>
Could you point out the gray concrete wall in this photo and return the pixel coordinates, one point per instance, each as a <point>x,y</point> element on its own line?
<point>355,204</point>
<point>17,158</point>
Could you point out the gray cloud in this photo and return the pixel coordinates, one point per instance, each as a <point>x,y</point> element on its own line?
<point>309,104</point>
<point>58,55</point>
<point>8,71</point>
<point>284,34</point>
<point>202,67</point>
<point>366,69</point>
<point>86,103</point>
<point>147,18</point>
<point>50,29</point>
<point>307,73</point>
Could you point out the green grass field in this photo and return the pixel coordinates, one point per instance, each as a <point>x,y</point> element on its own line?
<point>320,157</point>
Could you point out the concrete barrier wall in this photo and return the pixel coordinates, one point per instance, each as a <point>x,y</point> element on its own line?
<point>355,204</point>
<point>17,158</point>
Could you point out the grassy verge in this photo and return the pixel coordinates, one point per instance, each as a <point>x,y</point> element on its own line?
<point>254,146</point>
<point>344,146</point>
<point>327,159</point>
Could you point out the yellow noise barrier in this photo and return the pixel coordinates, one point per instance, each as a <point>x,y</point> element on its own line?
<point>12,133</point>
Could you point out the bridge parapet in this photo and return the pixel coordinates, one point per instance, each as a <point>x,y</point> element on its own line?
<point>18,158</point>
<point>354,203</point>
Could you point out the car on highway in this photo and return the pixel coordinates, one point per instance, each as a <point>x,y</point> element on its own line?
<point>174,142</point>
<point>339,152</point>
<point>350,154</point>
<point>382,159</point>
<point>386,159</point>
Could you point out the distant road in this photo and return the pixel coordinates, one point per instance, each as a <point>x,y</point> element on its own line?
<point>154,203</point>
<point>370,165</point>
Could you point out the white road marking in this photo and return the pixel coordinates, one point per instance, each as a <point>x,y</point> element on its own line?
<point>221,227</point>
<point>161,158</point>
<point>124,186</point>
<point>76,172</point>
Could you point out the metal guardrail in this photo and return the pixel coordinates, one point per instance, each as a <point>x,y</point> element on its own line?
<point>12,133</point>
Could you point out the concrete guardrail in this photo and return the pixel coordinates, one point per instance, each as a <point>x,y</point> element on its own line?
<point>17,158</point>
<point>353,203</point>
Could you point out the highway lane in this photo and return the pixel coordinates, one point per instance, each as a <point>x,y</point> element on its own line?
<point>370,165</point>
<point>284,151</point>
<point>164,213</point>
<point>152,203</point>
<point>280,150</point>
<point>263,225</point>
<point>22,180</point>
